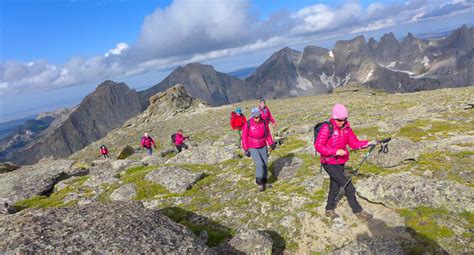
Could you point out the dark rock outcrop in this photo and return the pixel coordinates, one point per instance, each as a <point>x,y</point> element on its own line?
<point>120,227</point>
<point>202,82</point>
<point>108,107</point>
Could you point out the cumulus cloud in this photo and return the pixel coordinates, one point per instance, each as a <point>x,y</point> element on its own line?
<point>188,31</point>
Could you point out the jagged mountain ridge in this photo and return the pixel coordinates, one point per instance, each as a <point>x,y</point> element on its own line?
<point>108,107</point>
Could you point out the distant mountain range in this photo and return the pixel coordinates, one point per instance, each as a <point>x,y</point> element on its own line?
<point>407,66</point>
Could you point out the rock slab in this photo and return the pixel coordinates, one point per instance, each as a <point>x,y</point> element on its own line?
<point>119,227</point>
<point>174,179</point>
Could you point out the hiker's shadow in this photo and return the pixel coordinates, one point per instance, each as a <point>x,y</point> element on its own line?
<point>280,168</point>
<point>397,240</point>
<point>218,236</point>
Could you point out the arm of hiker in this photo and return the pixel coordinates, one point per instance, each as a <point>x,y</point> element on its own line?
<point>272,120</point>
<point>269,137</point>
<point>244,137</point>
<point>320,143</point>
<point>355,143</point>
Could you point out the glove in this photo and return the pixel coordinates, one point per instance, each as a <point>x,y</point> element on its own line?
<point>273,146</point>
<point>154,146</point>
<point>247,153</point>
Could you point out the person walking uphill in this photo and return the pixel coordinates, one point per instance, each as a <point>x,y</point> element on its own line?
<point>266,114</point>
<point>331,143</point>
<point>179,139</point>
<point>237,121</point>
<point>255,139</point>
<point>104,151</point>
<point>147,142</point>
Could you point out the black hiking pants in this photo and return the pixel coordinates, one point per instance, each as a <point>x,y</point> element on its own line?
<point>338,179</point>
<point>179,148</point>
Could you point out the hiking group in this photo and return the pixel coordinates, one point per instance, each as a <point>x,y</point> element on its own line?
<point>331,139</point>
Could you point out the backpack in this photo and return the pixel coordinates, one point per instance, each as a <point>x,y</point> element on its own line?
<point>147,141</point>
<point>318,127</point>
<point>173,138</point>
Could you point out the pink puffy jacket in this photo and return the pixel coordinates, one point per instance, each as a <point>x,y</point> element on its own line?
<point>179,139</point>
<point>254,137</point>
<point>341,137</point>
<point>267,115</point>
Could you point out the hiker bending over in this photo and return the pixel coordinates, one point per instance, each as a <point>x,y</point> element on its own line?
<point>255,139</point>
<point>266,114</point>
<point>331,143</point>
<point>179,139</point>
<point>104,151</point>
<point>237,121</point>
<point>147,142</point>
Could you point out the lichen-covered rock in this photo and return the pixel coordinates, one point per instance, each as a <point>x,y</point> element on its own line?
<point>120,164</point>
<point>252,242</point>
<point>126,152</point>
<point>401,150</point>
<point>174,179</point>
<point>124,228</point>
<point>152,160</point>
<point>286,168</point>
<point>38,179</point>
<point>371,246</point>
<point>207,154</point>
<point>124,193</point>
<point>102,173</point>
<point>404,190</point>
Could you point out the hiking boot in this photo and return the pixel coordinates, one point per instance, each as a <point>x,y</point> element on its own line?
<point>261,187</point>
<point>364,216</point>
<point>332,214</point>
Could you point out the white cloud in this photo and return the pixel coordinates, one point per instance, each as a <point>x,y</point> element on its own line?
<point>117,50</point>
<point>188,31</point>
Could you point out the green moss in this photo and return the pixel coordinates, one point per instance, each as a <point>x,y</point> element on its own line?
<point>448,164</point>
<point>145,189</point>
<point>216,232</point>
<point>425,225</point>
<point>422,129</point>
<point>55,200</point>
<point>372,132</point>
<point>291,144</point>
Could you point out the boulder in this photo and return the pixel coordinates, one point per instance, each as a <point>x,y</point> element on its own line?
<point>174,179</point>
<point>152,160</point>
<point>126,152</point>
<point>286,168</point>
<point>252,242</point>
<point>38,179</point>
<point>207,154</point>
<point>404,190</point>
<point>124,193</point>
<point>103,173</point>
<point>120,164</point>
<point>114,228</point>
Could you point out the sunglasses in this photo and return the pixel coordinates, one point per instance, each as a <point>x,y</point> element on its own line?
<point>341,120</point>
<point>256,117</point>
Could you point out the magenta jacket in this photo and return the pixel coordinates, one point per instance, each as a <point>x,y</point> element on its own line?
<point>179,139</point>
<point>254,137</point>
<point>341,137</point>
<point>267,115</point>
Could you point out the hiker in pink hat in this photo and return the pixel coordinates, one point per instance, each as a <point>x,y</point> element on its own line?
<point>331,143</point>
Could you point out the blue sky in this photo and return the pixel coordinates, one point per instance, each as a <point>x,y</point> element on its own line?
<point>67,47</point>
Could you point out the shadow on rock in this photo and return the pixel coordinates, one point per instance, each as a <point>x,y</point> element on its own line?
<point>279,243</point>
<point>392,240</point>
<point>283,168</point>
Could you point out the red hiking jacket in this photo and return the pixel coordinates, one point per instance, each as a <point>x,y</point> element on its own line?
<point>267,115</point>
<point>237,121</point>
<point>179,139</point>
<point>341,137</point>
<point>254,137</point>
<point>147,142</point>
<point>104,151</point>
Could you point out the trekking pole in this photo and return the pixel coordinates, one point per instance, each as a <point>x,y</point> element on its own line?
<point>383,149</point>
